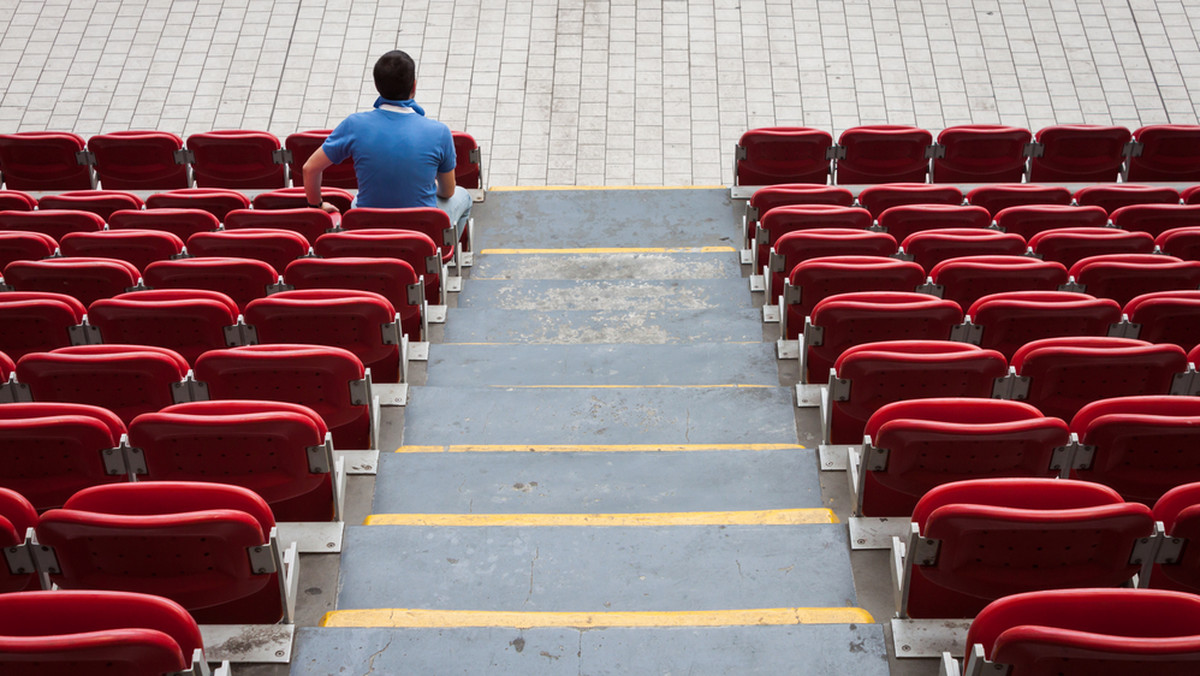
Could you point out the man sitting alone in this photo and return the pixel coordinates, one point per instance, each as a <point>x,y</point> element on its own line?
<point>401,158</point>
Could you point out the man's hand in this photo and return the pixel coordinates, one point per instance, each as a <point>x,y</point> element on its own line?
<point>328,208</point>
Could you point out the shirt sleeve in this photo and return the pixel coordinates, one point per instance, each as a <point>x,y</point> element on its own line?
<point>449,161</point>
<point>337,144</point>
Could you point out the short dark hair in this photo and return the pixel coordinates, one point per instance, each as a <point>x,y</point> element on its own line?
<point>394,74</point>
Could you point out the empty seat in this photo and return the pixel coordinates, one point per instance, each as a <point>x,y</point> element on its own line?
<point>139,160</point>
<point>847,319</point>
<point>930,247</point>
<point>1028,220</point>
<point>1166,317</point>
<point>968,278</point>
<point>920,444</point>
<point>242,279</point>
<point>1141,446</point>
<point>874,374</point>
<point>294,198</point>
<point>98,632</point>
<point>1190,195</point>
<point>782,155</point>
<point>188,321</point>
<point>1078,153</point>
<point>996,198</point>
<point>37,321</point>
<point>1113,197</point>
<point>86,279</point>
<point>1003,536</point>
<point>1178,242</point>
<point>1177,511</point>
<point>275,247</point>
<point>216,201</point>
<point>817,278</point>
<point>265,446</point>
<point>781,220</point>
<point>431,221</point>
<point>182,223</point>
<point>766,198</point>
<point>16,517</point>
<point>37,160</point>
<point>25,246</point>
<point>1087,632</point>
<point>100,202</point>
<point>800,245</point>
<point>329,380</point>
<point>52,222</point>
<point>302,145</point>
<point>879,198</point>
<point>15,200</point>
<point>414,248</point>
<point>312,223</point>
<point>1156,218</point>
<point>1070,245</point>
<point>391,278</point>
<point>1124,276</point>
<point>1165,152</point>
<point>185,540</point>
<point>140,247</point>
<point>468,167</point>
<point>237,159</point>
<point>51,450</point>
<point>1060,375</point>
<point>980,153</point>
<point>902,221</point>
<point>883,154</point>
<point>1006,321</point>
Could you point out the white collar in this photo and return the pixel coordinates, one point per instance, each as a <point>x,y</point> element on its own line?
<point>396,109</point>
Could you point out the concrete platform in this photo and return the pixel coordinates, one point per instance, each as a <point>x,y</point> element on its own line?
<point>678,263</point>
<point>632,326</point>
<point>623,294</point>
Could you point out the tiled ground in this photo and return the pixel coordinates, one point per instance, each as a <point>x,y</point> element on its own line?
<point>591,92</point>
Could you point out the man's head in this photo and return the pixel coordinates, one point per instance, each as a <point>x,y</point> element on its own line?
<point>395,74</point>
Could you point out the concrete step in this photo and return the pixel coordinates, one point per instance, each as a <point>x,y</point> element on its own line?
<point>633,326</point>
<point>594,264</point>
<point>623,294</point>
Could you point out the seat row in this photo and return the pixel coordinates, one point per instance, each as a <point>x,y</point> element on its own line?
<point>157,160</point>
<point>968,154</point>
<point>216,201</point>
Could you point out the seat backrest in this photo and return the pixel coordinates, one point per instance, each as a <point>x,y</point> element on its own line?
<point>184,540</point>
<point>125,379</point>
<point>242,279</point>
<point>388,277</point>
<point>930,247</point>
<point>294,198</point>
<point>818,278</point>
<point>15,200</point>
<point>1070,245</point>
<point>100,202</point>
<point>7,366</point>
<point>1066,373</point>
<point>25,246</point>
<point>1166,317</point>
<point>237,159</point>
<point>468,170</point>
<point>1122,277</point>
<point>51,450</point>
<point>968,278</point>
<point>1169,152</point>
<point>139,160</point>
<point>773,155</point>
<point>1156,218</point>
<point>274,247</point>
<point>188,321</point>
<point>981,153</point>
<point>182,223</point>
<point>216,201</point>
<point>996,198</point>
<point>768,197</point>
<point>17,516</point>
<point>37,321</point>
<point>52,222</point>
<point>302,145</point>
<point>1028,220</point>
<point>784,219</point>
<point>879,198</point>
<point>883,154</point>
<point>414,248</point>
<point>902,221</point>
<point>431,221</point>
<point>1078,153</point>
<point>86,279</point>
<point>312,223</point>
<point>1178,242</point>
<point>800,245</point>
<point>1013,318</point>
<point>930,442</point>
<point>883,372</point>
<point>139,247</point>
<point>44,161</point>
<point>1113,197</point>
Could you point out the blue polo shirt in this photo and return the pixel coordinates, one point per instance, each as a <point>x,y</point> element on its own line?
<point>397,156</point>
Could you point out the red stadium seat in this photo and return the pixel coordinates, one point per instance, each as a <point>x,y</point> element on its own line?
<point>391,278</point>
<point>883,154</point>
<point>468,168</point>
<point>311,223</point>
<point>817,278</point>
<point>431,221</point>
<point>879,198</point>
<point>275,247</point>
<point>1012,535</point>
<point>1190,195</point>
<point>1156,218</point>
<point>100,202</point>
<point>52,222</point>
<point>1113,197</point>
<point>182,223</point>
<point>1061,375</point>
<point>1166,317</point>
<point>7,367</point>
<point>15,200</point>
<point>785,219</point>
<point>294,198</point>
<point>49,160</point>
<point>774,155</point>
<point>1177,510</point>
<point>302,145</point>
<point>16,517</point>
<point>930,247</point>
<point>902,221</point>
<point>980,153</point>
<point>1028,220</point>
<point>1124,276</point>
<point>919,444</point>
<point>1079,153</point>
<point>1070,245</point>
<point>139,160</point>
<point>996,198</point>
<point>968,278</point>
<point>414,248</point>
<point>37,321</point>
<point>139,247</point>
<point>766,198</point>
<point>237,159</point>
<point>1178,242</point>
<point>1006,321</point>
<point>1165,152</point>
<point>86,279</point>
<point>25,246</point>
<point>216,201</point>
<point>242,279</point>
<point>797,246</point>
<point>188,321</point>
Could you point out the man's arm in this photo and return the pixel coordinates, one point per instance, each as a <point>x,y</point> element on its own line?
<point>314,167</point>
<point>445,183</point>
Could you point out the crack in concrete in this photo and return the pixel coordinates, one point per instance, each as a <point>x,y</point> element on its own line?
<point>536,553</point>
<point>371,662</point>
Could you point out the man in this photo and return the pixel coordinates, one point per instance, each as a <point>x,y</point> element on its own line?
<point>401,157</point>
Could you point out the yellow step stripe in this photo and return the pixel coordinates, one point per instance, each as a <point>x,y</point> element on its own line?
<point>531,188</point>
<point>594,448</point>
<point>612,250</point>
<point>417,618</point>
<point>763,517</point>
